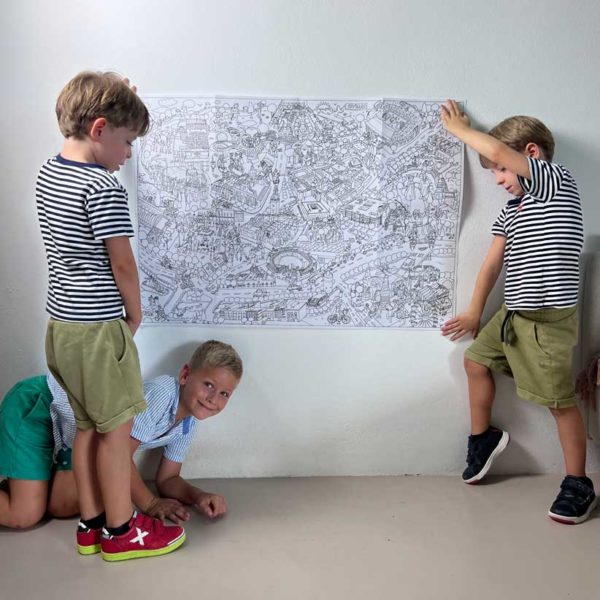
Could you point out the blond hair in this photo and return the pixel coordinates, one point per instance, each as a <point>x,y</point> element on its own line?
<point>519,131</point>
<point>91,95</point>
<point>217,354</point>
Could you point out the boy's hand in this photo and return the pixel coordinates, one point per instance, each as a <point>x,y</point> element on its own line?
<point>167,508</point>
<point>133,324</point>
<point>211,505</point>
<point>461,324</point>
<point>453,119</point>
<point>131,86</point>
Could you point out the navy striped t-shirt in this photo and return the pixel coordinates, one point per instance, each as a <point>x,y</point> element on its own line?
<point>79,206</point>
<point>544,239</point>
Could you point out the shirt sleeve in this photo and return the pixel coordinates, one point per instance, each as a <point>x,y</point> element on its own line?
<point>145,423</point>
<point>108,213</point>
<point>546,179</point>
<point>177,449</point>
<point>498,228</point>
<point>61,413</point>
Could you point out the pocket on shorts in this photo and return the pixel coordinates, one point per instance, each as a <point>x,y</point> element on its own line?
<point>538,336</point>
<point>35,430</point>
<point>556,337</point>
<point>124,343</point>
<point>33,411</point>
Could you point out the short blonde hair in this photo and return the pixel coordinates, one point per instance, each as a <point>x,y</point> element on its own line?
<point>91,95</point>
<point>217,355</point>
<point>519,131</point>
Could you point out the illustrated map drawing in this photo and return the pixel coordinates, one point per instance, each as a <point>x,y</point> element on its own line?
<point>297,213</point>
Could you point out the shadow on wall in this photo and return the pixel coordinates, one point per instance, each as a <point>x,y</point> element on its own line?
<point>589,333</point>
<point>592,244</point>
<point>581,160</point>
<point>172,362</point>
<point>467,199</point>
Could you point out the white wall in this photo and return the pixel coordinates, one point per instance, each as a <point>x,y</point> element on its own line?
<point>312,402</point>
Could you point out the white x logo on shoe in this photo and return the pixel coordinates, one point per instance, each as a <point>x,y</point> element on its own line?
<point>140,536</point>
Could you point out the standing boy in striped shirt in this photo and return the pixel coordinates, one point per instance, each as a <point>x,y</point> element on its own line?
<point>538,236</point>
<point>94,305</point>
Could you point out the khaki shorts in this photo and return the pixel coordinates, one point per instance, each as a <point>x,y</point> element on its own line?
<point>537,352</point>
<point>97,365</point>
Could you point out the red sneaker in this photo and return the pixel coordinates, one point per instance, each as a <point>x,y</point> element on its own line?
<point>88,540</point>
<point>146,537</point>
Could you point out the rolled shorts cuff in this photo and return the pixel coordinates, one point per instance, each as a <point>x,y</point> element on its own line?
<point>547,402</point>
<point>84,424</point>
<point>121,418</point>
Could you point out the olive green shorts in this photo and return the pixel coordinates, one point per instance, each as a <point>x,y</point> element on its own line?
<point>537,352</point>
<point>26,439</point>
<point>97,365</point>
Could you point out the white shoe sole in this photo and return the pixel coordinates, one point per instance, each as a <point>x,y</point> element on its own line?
<point>497,450</point>
<point>574,520</point>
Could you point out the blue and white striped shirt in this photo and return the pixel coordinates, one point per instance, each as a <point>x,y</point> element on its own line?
<point>544,239</point>
<point>155,427</point>
<point>80,205</point>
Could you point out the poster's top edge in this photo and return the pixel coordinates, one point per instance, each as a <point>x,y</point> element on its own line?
<point>193,95</point>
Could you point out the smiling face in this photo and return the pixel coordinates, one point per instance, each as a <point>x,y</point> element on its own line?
<point>204,392</point>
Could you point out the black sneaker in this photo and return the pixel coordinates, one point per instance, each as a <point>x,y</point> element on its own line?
<point>575,501</point>
<point>482,451</point>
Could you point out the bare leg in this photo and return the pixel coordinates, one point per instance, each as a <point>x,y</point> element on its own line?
<point>63,501</point>
<point>25,503</point>
<point>85,448</point>
<point>482,390</point>
<point>571,433</point>
<point>114,474</point>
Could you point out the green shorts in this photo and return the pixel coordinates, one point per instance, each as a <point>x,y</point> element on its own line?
<point>26,440</point>
<point>97,365</point>
<point>537,352</point>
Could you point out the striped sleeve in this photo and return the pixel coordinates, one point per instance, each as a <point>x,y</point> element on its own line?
<point>546,179</point>
<point>151,423</point>
<point>144,424</point>
<point>63,418</point>
<point>108,213</point>
<point>498,228</point>
<point>177,449</point>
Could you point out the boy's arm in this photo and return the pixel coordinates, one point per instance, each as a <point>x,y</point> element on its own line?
<point>469,320</point>
<point>170,483</point>
<point>126,276</point>
<point>147,502</point>
<point>458,124</point>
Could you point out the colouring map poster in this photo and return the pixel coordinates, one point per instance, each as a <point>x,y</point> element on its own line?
<point>298,213</point>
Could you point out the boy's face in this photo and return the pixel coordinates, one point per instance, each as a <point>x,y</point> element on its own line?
<point>508,180</point>
<point>113,146</point>
<point>205,392</point>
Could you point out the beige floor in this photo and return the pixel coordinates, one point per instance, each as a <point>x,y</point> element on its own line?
<point>327,538</point>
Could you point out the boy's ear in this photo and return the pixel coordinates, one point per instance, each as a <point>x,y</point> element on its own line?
<point>97,128</point>
<point>533,150</point>
<point>183,374</point>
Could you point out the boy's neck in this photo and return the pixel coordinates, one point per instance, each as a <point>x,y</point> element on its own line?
<point>78,151</point>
